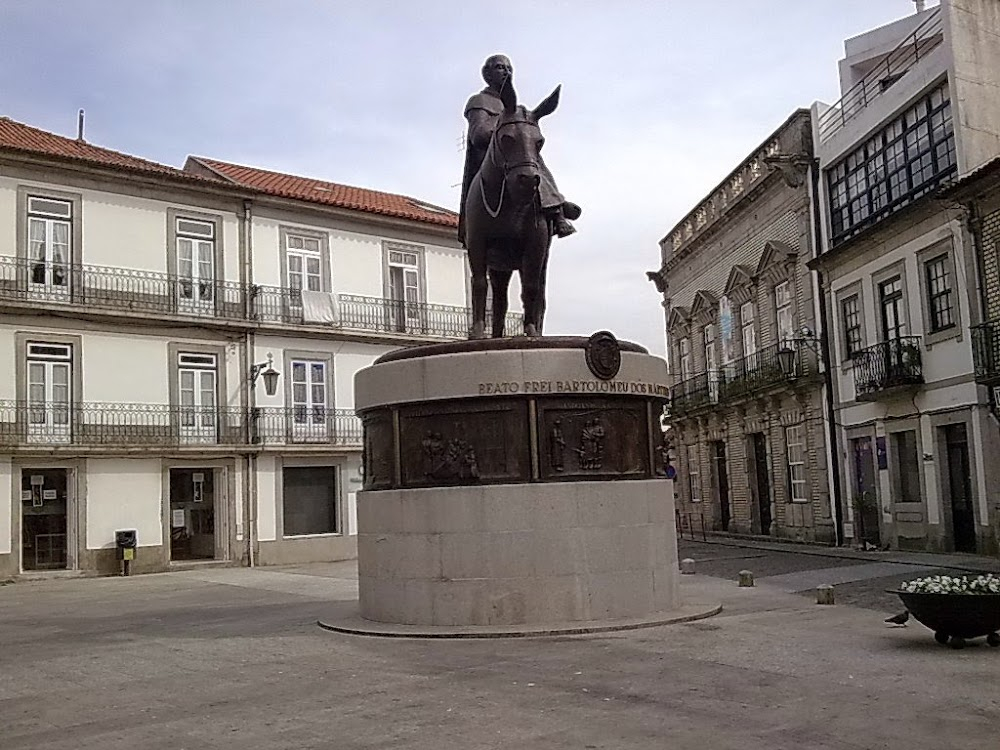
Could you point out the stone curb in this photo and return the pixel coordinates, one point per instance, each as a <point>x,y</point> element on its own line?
<point>356,625</point>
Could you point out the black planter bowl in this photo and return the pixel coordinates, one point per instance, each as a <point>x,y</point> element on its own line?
<point>956,617</point>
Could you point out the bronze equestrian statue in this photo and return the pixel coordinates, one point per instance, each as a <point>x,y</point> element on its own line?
<point>510,206</point>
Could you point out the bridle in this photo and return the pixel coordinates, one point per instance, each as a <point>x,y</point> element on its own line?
<point>505,167</point>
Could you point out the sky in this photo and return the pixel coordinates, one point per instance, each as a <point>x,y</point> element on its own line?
<point>661,99</point>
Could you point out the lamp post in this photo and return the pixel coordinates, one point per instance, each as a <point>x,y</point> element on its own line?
<point>269,374</point>
<point>786,359</point>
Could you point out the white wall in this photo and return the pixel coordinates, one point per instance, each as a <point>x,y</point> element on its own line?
<point>122,231</point>
<point>356,262</point>
<point>8,388</point>
<point>124,494</point>
<point>267,509</point>
<point>266,253</point>
<point>446,283</point>
<point>8,215</point>
<point>6,504</point>
<point>125,369</point>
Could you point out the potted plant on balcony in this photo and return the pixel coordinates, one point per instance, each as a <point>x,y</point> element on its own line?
<point>955,607</point>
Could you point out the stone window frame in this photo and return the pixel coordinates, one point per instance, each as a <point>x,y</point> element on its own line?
<point>310,356</point>
<point>777,270</point>
<point>879,277</point>
<point>173,215</point>
<point>802,427</point>
<point>76,233</point>
<point>892,463</point>
<point>946,248</point>
<point>75,342</point>
<point>389,246</point>
<point>693,468</point>
<point>325,270</point>
<point>855,289</point>
<point>174,350</point>
<point>339,465</point>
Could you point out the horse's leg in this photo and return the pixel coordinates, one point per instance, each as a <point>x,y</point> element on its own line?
<point>477,264</point>
<point>533,266</point>
<point>500,281</point>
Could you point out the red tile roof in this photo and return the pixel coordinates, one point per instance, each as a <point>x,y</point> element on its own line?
<point>331,193</point>
<point>17,136</point>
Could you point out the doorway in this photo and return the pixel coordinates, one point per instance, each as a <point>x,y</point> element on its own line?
<point>760,484</point>
<point>192,514</point>
<point>865,498</point>
<point>44,504</point>
<point>963,517</point>
<point>721,477</point>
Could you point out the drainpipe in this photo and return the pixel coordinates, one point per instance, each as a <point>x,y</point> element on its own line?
<point>833,449</point>
<point>250,491</point>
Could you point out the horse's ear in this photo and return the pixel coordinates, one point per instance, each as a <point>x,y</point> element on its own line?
<point>508,96</point>
<point>548,105</point>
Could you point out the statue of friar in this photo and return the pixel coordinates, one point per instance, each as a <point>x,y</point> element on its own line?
<point>482,112</point>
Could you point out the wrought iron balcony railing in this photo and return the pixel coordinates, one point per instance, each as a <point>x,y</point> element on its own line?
<point>888,366</point>
<point>305,424</point>
<point>273,304</point>
<point>763,369</point>
<point>925,38</point>
<point>695,393</point>
<point>986,351</point>
<point>23,423</point>
<point>119,289</point>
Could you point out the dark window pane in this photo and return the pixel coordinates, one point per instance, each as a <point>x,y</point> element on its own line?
<point>309,500</point>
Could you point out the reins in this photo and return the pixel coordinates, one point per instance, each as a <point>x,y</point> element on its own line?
<point>505,167</point>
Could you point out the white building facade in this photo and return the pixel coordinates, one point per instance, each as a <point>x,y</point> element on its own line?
<point>915,434</point>
<point>145,311</point>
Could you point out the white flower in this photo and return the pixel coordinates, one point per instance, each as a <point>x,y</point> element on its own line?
<point>984,584</point>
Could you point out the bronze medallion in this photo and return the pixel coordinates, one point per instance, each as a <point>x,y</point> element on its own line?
<point>604,356</point>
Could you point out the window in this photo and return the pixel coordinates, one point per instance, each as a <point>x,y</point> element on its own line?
<point>939,293</point>
<point>711,361</point>
<point>850,309</point>
<point>796,452</point>
<point>905,160</point>
<point>748,330</point>
<point>309,500</point>
<point>304,258</point>
<point>49,224</point>
<point>694,476</point>
<point>685,357</point>
<point>906,467</point>
<point>195,263</point>
<point>309,395</point>
<point>890,294</point>
<point>49,367</point>
<point>197,392</point>
<point>783,311</point>
<point>404,289</point>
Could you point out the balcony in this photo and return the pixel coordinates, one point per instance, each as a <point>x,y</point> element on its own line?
<point>694,393</point>
<point>888,368</point>
<point>128,426</point>
<point>763,369</point>
<point>919,43</point>
<point>128,291</point>
<point>986,351</point>
<point>119,290</point>
<point>302,425</point>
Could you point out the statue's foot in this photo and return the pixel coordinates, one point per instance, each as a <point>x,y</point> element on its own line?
<point>571,211</point>
<point>478,331</point>
<point>563,228</point>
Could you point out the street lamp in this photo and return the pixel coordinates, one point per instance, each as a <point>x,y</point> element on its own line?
<point>270,375</point>
<point>789,352</point>
<point>786,359</point>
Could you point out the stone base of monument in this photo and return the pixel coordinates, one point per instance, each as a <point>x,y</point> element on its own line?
<point>515,487</point>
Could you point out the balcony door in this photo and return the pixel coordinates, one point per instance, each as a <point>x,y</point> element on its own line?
<point>49,225</point>
<point>195,266</point>
<point>404,291</point>
<point>49,373</point>
<point>893,314</point>
<point>310,400</point>
<point>197,391</point>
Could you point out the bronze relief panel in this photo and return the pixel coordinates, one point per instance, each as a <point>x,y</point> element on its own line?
<point>592,438</point>
<point>463,443</point>
<point>377,457</point>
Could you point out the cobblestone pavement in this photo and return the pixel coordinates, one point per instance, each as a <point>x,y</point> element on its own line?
<point>232,658</point>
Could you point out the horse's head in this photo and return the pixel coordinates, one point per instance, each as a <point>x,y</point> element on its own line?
<point>517,142</point>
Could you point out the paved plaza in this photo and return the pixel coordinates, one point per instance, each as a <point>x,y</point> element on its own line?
<point>232,658</point>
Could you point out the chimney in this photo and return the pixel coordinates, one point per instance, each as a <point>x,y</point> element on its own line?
<point>79,126</point>
<point>921,4</point>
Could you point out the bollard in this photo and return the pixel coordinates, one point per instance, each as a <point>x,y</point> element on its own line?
<point>745,579</point>
<point>824,594</point>
<point>687,566</point>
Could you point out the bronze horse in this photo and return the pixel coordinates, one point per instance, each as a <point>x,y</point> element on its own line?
<point>506,230</point>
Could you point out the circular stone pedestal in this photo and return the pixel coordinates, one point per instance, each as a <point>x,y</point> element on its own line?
<point>515,482</point>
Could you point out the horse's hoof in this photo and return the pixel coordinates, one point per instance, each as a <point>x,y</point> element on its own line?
<point>477,332</point>
<point>530,330</point>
